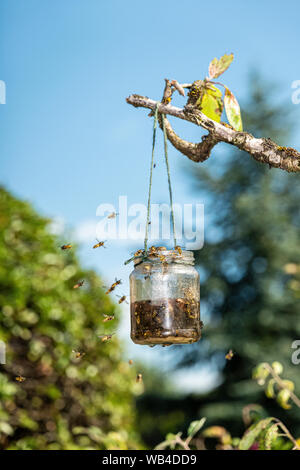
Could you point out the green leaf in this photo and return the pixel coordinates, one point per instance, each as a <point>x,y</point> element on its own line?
<point>289,385</point>
<point>218,432</point>
<point>169,442</point>
<point>195,426</point>
<point>260,373</point>
<point>233,111</point>
<point>6,428</point>
<point>211,102</point>
<point>171,439</point>
<point>270,392</point>
<point>278,367</point>
<point>252,434</point>
<point>170,436</point>
<point>283,398</point>
<point>218,66</point>
<point>270,436</point>
<point>26,422</point>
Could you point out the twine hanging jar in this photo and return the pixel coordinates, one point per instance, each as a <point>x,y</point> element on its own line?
<point>164,285</point>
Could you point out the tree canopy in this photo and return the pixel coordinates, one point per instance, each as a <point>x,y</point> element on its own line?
<point>251,236</point>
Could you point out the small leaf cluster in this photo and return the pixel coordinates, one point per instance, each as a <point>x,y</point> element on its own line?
<point>275,387</point>
<point>262,433</point>
<point>208,98</point>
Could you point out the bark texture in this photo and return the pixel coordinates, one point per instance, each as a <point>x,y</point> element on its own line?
<point>263,150</point>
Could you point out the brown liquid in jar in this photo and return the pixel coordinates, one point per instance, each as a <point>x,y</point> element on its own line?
<point>165,321</point>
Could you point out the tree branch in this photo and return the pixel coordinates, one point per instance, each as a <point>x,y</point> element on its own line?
<point>196,152</point>
<point>263,150</point>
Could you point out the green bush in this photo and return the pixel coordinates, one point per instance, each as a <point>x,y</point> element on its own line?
<point>65,402</point>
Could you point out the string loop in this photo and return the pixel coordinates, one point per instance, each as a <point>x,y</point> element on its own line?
<point>150,178</point>
<point>169,178</point>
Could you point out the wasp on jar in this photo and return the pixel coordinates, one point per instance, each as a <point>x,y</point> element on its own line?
<point>139,378</point>
<point>138,254</point>
<point>79,284</point>
<point>105,338</point>
<point>66,247</point>
<point>188,294</point>
<point>78,354</point>
<point>108,318</point>
<point>99,244</point>
<point>229,355</point>
<point>152,250</point>
<point>20,378</point>
<point>178,249</point>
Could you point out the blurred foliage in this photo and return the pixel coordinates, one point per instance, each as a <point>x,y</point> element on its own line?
<point>275,386</point>
<point>64,402</point>
<point>261,433</point>
<point>252,232</point>
<point>264,434</point>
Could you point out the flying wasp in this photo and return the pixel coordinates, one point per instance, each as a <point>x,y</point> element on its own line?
<point>20,378</point>
<point>139,378</point>
<point>79,284</point>
<point>78,354</point>
<point>105,338</point>
<point>122,299</point>
<point>100,244</point>
<point>114,285</point>
<point>108,318</point>
<point>113,215</point>
<point>229,355</point>
<point>66,247</point>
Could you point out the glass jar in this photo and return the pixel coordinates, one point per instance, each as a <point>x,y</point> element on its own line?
<point>165,299</point>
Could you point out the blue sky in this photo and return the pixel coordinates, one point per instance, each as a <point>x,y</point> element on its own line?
<point>68,139</point>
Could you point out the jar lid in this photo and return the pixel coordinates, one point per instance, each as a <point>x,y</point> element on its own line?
<point>160,255</point>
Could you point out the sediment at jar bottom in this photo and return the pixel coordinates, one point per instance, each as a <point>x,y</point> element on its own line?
<point>166,321</point>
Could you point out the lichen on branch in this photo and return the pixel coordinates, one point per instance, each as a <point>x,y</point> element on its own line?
<point>263,150</point>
